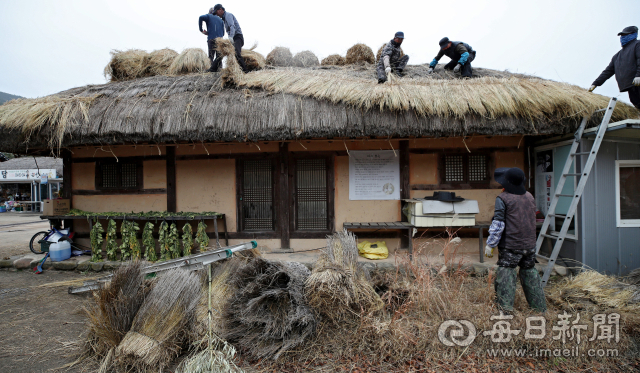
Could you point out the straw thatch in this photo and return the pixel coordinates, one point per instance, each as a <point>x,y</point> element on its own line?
<point>280,56</point>
<point>333,60</point>
<point>305,59</point>
<point>358,54</point>
<point>252,59</point>
<point>591,289</point>
<point>127,65</point>
<point>268,314</point>
<point>232,73</point>
<point>380,52</point>
<point>191,60</point>
<point>160,60</point>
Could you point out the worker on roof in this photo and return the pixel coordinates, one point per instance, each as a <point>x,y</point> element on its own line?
<point>233,31</point>
<point>461,55</point>
<point>391,59</point>
<point>215,29</point>
<point>625,65</point>
<point>513,231</point>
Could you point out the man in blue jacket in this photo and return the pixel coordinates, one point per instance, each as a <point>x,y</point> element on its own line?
<point>215,29</point>
<point>461,55</point>
<point>625,65</point>
<point>233,31</point>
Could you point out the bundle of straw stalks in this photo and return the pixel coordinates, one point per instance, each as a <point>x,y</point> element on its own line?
<point>191,60</point>
<point>333,60</point>
<point>380,52</point>
<point>160,60</point>
<point>305,59</point>
<point>339,289</point>
<point>161,326</point>
<point>252,59</point>
<point>127,65</point>
<point>360,53</point>
<point>232,73</point>
<point>280,56</point>
<point>268,314</point>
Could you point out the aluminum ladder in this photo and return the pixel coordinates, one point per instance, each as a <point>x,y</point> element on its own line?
<point>575,197</point>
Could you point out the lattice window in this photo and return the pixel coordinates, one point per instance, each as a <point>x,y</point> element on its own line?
<point>110,176</point>
<point>118,175</point>
<point>311,194</point>
<point>466,168</point>
<point>477,168</point>
<point>454,168</point>
<point>257,195</point>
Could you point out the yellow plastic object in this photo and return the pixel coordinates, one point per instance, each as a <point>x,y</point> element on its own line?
<point>373,250</point>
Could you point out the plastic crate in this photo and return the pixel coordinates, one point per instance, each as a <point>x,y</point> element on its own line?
<point>44,245</point>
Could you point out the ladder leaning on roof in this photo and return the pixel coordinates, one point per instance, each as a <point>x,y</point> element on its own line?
<point>575,197</point>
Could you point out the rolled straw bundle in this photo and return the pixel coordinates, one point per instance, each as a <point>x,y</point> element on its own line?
<point>160,60</point>
<point>252,59</point>
<point>191,60</point>
<point>305,59</point>
<point>127,65</point>
<point>333,60</point>
<point>280,56</point>
<point>360,53</point>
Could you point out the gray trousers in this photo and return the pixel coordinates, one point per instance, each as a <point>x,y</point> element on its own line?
<point>395,64</point>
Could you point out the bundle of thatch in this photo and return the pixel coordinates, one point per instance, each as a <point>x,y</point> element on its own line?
<point>380,52</point>
<point>338,288</point>
<point>333,60</point>
<point>305,59</point>
<point>252,59</point>
<point>112,311</point>
<point>360,53</point>
<point>162,324</point>
<point>280,56</point>
<point>127,65</point>
<point>191,60</point>
<point>592,289</point>
<point>268,314</point>
<point>232,73</point>
<point>160,60</point>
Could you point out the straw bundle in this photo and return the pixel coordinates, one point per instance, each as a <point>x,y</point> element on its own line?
<point>191,60</point>
<point>280,56</point>
<point>127,65</point>
<point>593,289</point>
<point>380,52</point>
<point>161,326</point>
<point>333,60</point>
<point>268,314</point>
<point>160,60</point>
<point>338,288</point>
<point>360,53</point>
<point>305,59</point>
<point>252,59</point>
<point>232,73</point>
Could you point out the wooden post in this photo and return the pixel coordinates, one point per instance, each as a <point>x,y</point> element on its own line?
<point>283,205</point>
<point>405,191</point>
<point>66,179</point>
<point>171,179</point>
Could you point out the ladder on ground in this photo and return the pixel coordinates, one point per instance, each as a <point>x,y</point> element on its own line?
<point>559,236</point>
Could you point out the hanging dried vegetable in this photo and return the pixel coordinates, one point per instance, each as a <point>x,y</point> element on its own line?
<point>201,237</point>
<point>96,242</point>
<point>187,239</point>
<point>149,243</point>
<point>112,245</point>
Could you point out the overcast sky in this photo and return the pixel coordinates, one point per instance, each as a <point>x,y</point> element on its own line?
<point>49,46</point>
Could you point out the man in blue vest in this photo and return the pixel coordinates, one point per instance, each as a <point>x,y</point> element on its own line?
<point>625,65</point>
<point>215,29</point>
<point>513,231</point>
<point>461,55</point>
<point>233,31</point>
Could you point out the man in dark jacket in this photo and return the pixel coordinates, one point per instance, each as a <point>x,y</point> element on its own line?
<point>513,231</point>
<point>625,65</point>
<point>233,31</point>
<point>391,60</point>
<point>215,29</point>
<point>461,55</point>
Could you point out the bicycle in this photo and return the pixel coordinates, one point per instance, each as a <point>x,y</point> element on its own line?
<point>53,235</point>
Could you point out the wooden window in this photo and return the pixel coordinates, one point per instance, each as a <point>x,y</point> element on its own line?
<point>312,188</point>
<point>123,175</point>
<point>628,193</point>
<point>470,169</point>
<point>256,195</point>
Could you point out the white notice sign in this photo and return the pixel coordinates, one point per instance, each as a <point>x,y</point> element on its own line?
<point>374,175</point>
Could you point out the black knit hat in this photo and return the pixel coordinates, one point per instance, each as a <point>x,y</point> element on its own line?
<point>443,42</point>
<point>511,179</point>
<point>216,7</point>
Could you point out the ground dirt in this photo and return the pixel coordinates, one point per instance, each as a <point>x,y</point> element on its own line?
<point>16,229</point>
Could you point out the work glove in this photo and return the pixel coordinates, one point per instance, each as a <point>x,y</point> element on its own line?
<point>205,32</point>
<point>636,81</point>
<point>457,68</point>
<point>387,70</point>
<point>592,88</point>
<point>488,251</point>
<point>231,39</point>
<point>430,70</point>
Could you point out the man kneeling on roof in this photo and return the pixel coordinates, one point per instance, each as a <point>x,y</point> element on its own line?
<point>215,29</point>
<point>461,55</point>
<point>513,231</point>
<point>390,60</point>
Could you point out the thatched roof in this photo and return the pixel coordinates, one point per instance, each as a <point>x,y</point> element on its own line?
<point>24,163</point>
<point>296,103</point>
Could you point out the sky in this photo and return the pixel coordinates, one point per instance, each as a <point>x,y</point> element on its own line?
<point>50,46</point>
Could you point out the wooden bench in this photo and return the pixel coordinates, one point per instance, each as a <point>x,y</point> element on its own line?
<point>393,225</point>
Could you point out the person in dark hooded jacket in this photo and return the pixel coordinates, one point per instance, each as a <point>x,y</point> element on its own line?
<point>461,55</point>
<point>625,65</point>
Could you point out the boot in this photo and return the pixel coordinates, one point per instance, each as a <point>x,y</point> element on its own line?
<point>380,81</point>
<point>532,286</point>
<point>506,282</point>
<point>400,73</point>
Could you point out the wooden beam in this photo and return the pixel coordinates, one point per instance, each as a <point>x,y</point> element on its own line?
<point>171,179</point>
<point>405,190</point>
<point>134,158</point>
<point>107,192</point>
<point>284,197</point>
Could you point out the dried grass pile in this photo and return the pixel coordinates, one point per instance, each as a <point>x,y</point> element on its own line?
<point>160,60</point>
<point>339,288</point>
<point>161,326</point>
<point>380,52</point>
<point>358,54</point>
<point>268,313</point>
<point>333,60</point>
<point>127,65</point>
<point>305,59</point>
<point>280,56</point>
<point>252,59</point>
<point>232,73</point>
<point>191,60</point>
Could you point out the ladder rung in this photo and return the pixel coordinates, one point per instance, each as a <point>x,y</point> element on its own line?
<point>550,236</point>
<point>601,110</point>
<point>582,153</point>
<point>543,257</point>
<point>564,195</point>
<point>558,215</point>
<point>575,174</point>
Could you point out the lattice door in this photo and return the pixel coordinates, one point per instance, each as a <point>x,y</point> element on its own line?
<point>257,195</point>
<point>311,194</point>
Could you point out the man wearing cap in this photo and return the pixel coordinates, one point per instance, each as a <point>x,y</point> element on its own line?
<point>513,231</point>
<point>461,55</point>
<point>233,31</point>
<point>625,65</point>
<point>390,60</point>
<point>215,29</point>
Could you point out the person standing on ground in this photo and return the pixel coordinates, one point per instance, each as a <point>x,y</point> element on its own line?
<point>215,29</point>
<point>461,55</point>
<point>391,60</point>
<point>233,31</point>
<point>513,231</point>
<point>625,65</point>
